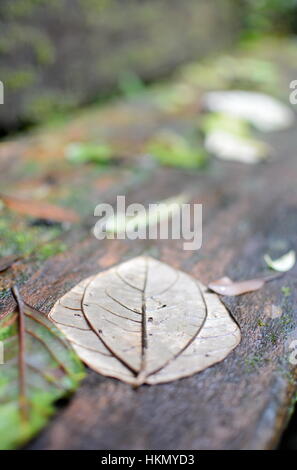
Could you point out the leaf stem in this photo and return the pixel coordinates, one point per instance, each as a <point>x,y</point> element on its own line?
<point>22,351</point>
<point>142,374</point>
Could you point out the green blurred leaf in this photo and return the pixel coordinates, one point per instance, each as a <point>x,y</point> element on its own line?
<point>224,122</point>
<point>52,370</point>
<point>173,149</point>
<point>130,84</point>
<point>79,152</point>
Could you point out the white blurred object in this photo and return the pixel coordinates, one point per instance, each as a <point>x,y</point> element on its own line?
<point>227,146</point>
<point>262,111</point>
<point>283,264</point>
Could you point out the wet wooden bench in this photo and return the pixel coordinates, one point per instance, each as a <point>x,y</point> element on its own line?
<point>243,402</point>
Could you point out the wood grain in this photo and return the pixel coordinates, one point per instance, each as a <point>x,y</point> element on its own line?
<point>243,402</point>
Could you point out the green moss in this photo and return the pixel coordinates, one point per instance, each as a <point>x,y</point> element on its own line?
<point>5,45</point>
<point>18,79</point>
<point>91,7</point>
<point>84,152</point>
<point>15,241</point>
<point>7,331</point>
<point>253,362</point>
<point>22,37</point>
<point>273,338</point>
<point>287,291</point>
<point>172,97</point>
<point>130,84</point>
<point>45,51</point>
<point>286,320</point>
<point>49,103</point>
<point>239,72</point>
<point>31,167</point>
<point>50,249</point>
<point>20,237</point>
<point>4,293</point>
<point>21,8</point>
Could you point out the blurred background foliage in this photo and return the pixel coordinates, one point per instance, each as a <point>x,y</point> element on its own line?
<point>269,16</point>
<point>60,54</point>
<point>57,55</point>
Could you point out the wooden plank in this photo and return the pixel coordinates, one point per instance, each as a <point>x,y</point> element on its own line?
<point>240,403</point>
<point>243,402</point>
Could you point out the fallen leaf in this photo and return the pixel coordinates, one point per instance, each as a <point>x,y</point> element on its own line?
<point>224,122</point>
<point>282,264</point>
<point>145,322</point>
<point>39,209</point>
<point>82,152</point>
<point>172,149</point>
<point>119,223</point>
<point>229,138</point>
<point>261,110</point>
<point>227,146</point>
<point>225,285</point>
<point>39,367</point>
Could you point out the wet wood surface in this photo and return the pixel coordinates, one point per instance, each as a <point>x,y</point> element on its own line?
<point>243,402</point>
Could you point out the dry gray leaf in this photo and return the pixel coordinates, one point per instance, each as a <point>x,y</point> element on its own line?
<point>145,322</point>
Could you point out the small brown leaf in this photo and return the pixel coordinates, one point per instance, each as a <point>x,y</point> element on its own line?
<point>225,285</point>
<point>145,322</point>
<point>39,209</point>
